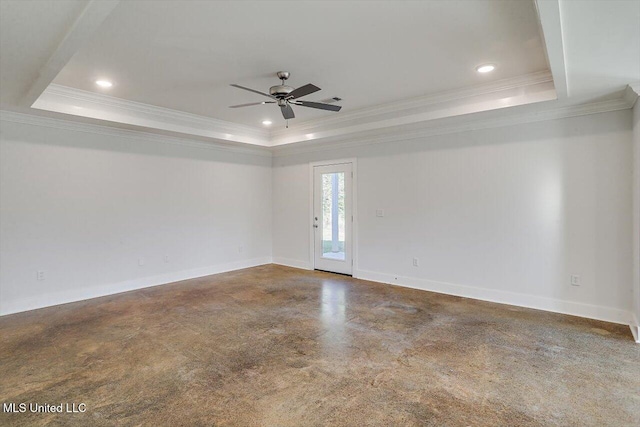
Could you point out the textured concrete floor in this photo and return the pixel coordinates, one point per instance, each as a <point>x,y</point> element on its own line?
<point>275,346</point>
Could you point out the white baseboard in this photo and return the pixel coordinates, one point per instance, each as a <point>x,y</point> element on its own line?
<point>590,311</point>
<point>635,328</point>
<point>607,314</point>
<point>295,263</point>
<point>79,294</point>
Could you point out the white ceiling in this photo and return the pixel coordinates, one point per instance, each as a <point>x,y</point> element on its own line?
<point>602,46</point>
<point>395,63</point>
<point>29,32</point>
<point>184,55</point>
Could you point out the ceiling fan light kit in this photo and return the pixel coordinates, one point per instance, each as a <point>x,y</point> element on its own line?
<point>286,96</point>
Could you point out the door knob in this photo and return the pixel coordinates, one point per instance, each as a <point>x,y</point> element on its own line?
<point>315,225</point>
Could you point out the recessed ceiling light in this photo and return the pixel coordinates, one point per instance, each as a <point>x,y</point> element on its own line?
<point>266,122</point>
<point>104,83</point>
<point>487,68</point>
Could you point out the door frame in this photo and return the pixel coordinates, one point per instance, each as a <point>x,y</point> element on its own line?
<point>354,210</point>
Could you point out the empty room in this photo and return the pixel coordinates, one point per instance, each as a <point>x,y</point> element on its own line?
<point>320,213</point>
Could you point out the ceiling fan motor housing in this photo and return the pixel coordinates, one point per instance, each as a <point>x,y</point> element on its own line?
<point>280,91</point>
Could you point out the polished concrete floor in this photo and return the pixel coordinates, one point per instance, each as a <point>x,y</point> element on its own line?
<point>276,346</point>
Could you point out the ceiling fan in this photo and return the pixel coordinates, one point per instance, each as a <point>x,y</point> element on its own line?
<point>286,96</point>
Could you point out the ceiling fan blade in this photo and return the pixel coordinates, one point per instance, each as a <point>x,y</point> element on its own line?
<point>303,91</point>
<point>319,105</point>
<point>252,103</point>
<point>287,112</point>
<point>254,91</point>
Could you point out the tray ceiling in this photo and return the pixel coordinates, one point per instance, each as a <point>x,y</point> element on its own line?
<point>184,55</point>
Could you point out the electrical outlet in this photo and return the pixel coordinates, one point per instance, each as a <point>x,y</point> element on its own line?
<point>575,280</point>
<point>39,275</point>
<point>140,261</point>
<point>240,249</point>
<point>415,262</point>
<point>380,213</point>
<point>166,258</point>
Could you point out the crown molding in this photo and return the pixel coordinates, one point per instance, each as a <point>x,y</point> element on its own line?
<point>54,123</point>
<point>419,103</point>
<point>83,103</point>
<point>631,93</point>
<point>522,90</point>
<point>500,94</point>
<point>485,120</point>
<point>449,125</point>
<point>448,112</point>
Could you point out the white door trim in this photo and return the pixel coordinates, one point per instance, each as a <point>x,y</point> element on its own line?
<point>354,210</point>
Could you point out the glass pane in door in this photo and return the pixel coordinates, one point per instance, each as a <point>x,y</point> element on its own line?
<point>333,216</point>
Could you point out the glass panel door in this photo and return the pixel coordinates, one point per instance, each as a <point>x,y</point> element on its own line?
<point>332,219</point>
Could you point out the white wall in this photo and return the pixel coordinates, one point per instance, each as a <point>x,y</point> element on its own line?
<point>85,207</point>
<point>503,214</point>
<point>636,220</point>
